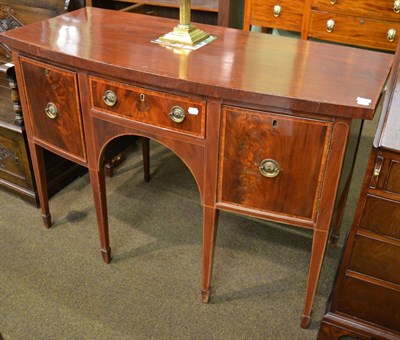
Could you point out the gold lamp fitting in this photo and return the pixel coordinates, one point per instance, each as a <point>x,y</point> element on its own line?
<point>185,33</point>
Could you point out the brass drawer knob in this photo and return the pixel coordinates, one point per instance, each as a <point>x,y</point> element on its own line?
<point>110,98</point>
<point>177,114</point>
<point>396,6</point>
<point>269,168</point>
<point>51,110</point>
<point>391,34</point>
<point>330,24</point>
<point>277,11</point>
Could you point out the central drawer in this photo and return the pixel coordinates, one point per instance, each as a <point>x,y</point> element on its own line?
<point>181,114</point>
<point>273,163</point>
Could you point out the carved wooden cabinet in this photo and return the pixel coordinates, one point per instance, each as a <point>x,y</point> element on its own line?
<point>371,23</point>
<point>365,300</point>
<point>267,144</point>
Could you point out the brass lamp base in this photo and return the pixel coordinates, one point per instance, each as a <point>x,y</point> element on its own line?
<point>187,35</point>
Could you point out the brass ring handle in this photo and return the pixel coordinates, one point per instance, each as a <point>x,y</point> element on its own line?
<point>277,11</point>
<point>110,98</point>
<point>177,114</point>
<point>391,34</point>
<point>269,168</point>
<point>396,6</point>
<point>51,110</point>
<point>330,24</point>
<point>332,2</point>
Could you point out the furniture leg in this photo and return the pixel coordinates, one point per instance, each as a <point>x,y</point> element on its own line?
<point>39,168</point>
<point>210,223</point>
<point>339,213</point>
<point>97,180</point>
<point>343,198</point>
<point>317,255</point>
<point>113,163</point>
<point>146,157</point>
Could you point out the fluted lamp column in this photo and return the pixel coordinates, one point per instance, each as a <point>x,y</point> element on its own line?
<point>185,33</point>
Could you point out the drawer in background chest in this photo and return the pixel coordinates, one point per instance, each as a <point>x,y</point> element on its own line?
<point>386,10</point>
<point>381,216</point>
<point>354,30</point>
<point>281,14</point>
<point>54,108</point>
<point>172,112</point>
<point>272,163</point>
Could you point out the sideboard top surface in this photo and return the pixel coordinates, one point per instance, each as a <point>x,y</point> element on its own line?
<point>245,66</point>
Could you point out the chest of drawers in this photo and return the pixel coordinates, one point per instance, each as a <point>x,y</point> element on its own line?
<point>372,24</point>
<point>269,144</point>
<point>365,300</point>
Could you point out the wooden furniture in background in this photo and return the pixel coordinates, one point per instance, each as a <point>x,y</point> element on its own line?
<point>365,300</point>
<point>214,12</point>
<point>285,129</point>
<point>372,23</point>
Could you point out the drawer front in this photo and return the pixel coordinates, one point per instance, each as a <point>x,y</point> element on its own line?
<point>381,216</point>
<point>376,258</point>
<point>372,9</point>
<point>251,139</point>
<point>54,106</point>
<point>14,165</point>
<point>355,31</point>
<point>281,14</point>
<point>393,181</point>
<point>370,302</point>
<point>149,106</point>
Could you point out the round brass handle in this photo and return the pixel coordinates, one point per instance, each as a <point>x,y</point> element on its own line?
<point>269,168</point>
<point>110,98</point>
<point>277,11</point>
<point>330,24</point>
<point>51,110</point>
<point>332,2</point>
<point>396,6</point>
<point>391,35</point>
<point>177,114</point>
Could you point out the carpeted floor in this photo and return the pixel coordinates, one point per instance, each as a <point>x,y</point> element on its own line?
<point>54,285</point>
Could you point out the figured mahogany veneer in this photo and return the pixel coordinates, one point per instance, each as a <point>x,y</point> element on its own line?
<point>46,84</point>
<point>246,97</point>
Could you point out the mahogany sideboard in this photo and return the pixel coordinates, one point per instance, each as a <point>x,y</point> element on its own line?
<point>368,23</point>
<point>262,122</point>
<point>365,300</point>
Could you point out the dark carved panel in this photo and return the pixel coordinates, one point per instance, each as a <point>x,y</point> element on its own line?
<point>7,22</point>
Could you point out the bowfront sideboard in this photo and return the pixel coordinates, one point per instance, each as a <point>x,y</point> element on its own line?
<point>262,122</point>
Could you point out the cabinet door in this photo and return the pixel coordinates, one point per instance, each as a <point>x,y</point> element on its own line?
<point>54,108</point>
<point>272,162</point>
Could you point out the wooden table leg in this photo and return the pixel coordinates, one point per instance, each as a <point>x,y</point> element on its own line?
<point>210,224</point>
<point>39,170</point>
<point>317,255</point>
<point>146,157</point>
<point>97,180</point>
